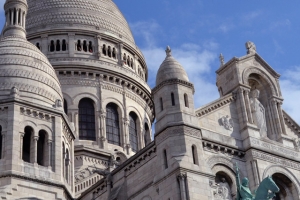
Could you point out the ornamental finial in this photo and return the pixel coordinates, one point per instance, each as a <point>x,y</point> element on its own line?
<point>221,57</point>
<point>169,51</point>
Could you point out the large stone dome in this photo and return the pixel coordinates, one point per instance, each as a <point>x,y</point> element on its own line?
<point>170,69</point>
<point>25,71</point>
<point>102,16</point>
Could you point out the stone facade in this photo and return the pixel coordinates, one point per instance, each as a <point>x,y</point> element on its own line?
<point>76,114</point>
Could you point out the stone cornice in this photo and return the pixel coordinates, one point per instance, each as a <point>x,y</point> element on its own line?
<point>202,111</point>
<point>291,123</point>
<point>171,82</point>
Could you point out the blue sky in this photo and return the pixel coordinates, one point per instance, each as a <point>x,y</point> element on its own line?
<point>198,31</point>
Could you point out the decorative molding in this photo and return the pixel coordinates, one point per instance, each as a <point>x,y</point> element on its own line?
<point>92,160</point>
<point>215,105</point>
<point>36,114</point>
<point>223,150</point>
<point>290,122</point>
<point>275,159</point>
<point>67,133</point>
<point>173,81</point>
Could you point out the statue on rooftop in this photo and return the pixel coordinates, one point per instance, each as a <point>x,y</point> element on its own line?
<point>251,48</point>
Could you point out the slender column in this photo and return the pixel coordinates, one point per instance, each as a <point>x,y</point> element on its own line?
<point>120,54</point>
<point>71,43</point>
<point>181,177</point>
<point>21,145</point>
<point>241,97</point>
<point>250,117</point>
<point>274,106</point>
<point>281,118</point>
<point>272,120</point>
<point>127,145</point>
<point>103,138</point>
<point>141,138</point>
<point>35,140</point>
<point>3,145</point>
<point>24,21</point>
<point>99,46</point>
<point>255,172</point>
<point>17,17</point>
<point>49,154</point>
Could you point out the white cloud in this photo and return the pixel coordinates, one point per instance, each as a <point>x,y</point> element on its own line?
<point>225,27</point>
<point>252,15</point>
<point>285,23</point>
<point>290,87</point>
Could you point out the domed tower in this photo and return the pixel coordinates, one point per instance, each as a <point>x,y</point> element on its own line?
<point>103,76</point>
<point>36,140</point>
<point>173,95</point>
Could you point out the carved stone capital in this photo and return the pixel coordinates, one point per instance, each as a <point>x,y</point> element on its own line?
<point>36,138</point>
<point>181,176</point>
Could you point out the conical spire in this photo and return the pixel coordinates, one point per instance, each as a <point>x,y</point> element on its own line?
<point>15,13</point>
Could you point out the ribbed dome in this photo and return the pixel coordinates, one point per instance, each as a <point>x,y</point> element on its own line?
<point>102,16</point>
<point>170,69</point>
<point>24,67</point>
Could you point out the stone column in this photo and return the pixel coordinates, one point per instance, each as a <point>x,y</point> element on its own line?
<point>24,21</point>
<point>276,116</point>
<point>247,101</point>
<point>71,44</point>
<point>255,173</point>
<point>243,106</point>
<point>103,138</point>
<point>141,138</point>
<point>3,144</point>
<point>49,154</point>
<point>35,140</point>
<point>281,117</point>
<point>120,55</point>
<point>17,16</point>
<point>45,46</point>
<point>21,145</point>
<point>182,177</point>
<point>126,140</point>
<point>99,46</point>
<point>135,65</point>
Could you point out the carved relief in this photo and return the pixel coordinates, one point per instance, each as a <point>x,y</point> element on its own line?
<point>227,122</point>
<point>221,189</point>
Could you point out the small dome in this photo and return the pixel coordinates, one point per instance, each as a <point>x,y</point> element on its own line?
<point>170,69</point>
<point>25,71</point>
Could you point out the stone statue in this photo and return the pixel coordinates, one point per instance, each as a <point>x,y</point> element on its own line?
<point>258,112</point>
<point>221,57</point>
<point>243,191</point>
<point>265,191</point>
<point>251,48</point>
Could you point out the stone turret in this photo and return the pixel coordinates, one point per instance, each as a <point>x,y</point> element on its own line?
<point>173,94</point>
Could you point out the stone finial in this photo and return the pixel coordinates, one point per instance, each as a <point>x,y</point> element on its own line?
<point>251,48</point>
<point>169,51</point>
<point>14,92</point>
<point>221,57</point>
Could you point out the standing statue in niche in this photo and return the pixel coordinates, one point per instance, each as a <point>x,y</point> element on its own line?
<point>258,112</point>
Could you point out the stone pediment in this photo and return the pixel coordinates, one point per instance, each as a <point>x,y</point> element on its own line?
<point>294,126</point>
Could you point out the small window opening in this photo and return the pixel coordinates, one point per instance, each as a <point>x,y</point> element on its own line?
<point>114,54</point>
<point>52,47</point>
<point>195,155</point>
<point>91,47</point>
<point>104,49</point>
<point>64,45</point>
<point>79,45</point>
<point>186,100</point>
<point>165,159</point>
<point>128,61</point>
<point>161,104</point>
<point>57,45</point>
<point>84,46</point>
<point>15,16</point>
<point>66,107</point>
<point>26,144</point>
<point>173,99</point>
<point>131,63</point>
<point>109,51</point>
<point>38,46</point>
<point>41,148</point>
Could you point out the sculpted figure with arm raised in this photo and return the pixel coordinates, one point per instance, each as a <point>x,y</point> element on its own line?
<point>243,191</point>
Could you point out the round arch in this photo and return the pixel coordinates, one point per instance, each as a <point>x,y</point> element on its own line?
<point>45,128</point>
<point>254,70</point>
<point>95,99</point>
<point>106,101</point>
<point>68,99</point>
<point>33,125</point>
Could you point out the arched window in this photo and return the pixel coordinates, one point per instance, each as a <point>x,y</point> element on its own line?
<point>63,159</point>
<point>67,160</point>
<point>128,61</point>
<point>195,155</point>
<point>133,138</point>
<point>109,51</point>
<point>41,148</point>
<point>66,107</point>
<point>27,144</point>
<point>104,49</point>
<point>165,159</point>
<point>1,142</point>
<point>87,120</point>
<point>57,45</point>
<point>38,45</point>
<point>112,124</point>
<point>52,46</point>
<point>186,100</point>
<point>161,104</point>
<point>64,45</point>
<point>79,45</point>
<point>173,99</point>
<point>147,134</point>
<point>15,16</point>
<point>131,63</point>
<point>114,53</point>
<point>84,46</point>
<point>124,58</point>
<point>91,47</point>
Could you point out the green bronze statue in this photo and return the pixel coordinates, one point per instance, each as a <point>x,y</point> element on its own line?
<point>265,191</point>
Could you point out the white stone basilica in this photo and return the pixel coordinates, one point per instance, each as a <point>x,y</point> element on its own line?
<point>76,114</point>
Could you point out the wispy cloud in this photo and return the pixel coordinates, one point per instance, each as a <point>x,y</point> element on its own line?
<point>225,27</point>
<point>285,23</point>
<point>251,15</point>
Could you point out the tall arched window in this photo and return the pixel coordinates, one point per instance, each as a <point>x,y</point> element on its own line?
<point>112,124</point>
<point>104,49</point>
<point>67,160</point>
<point>195,155</point>
<point>41,148</point>
<point>66,107</point>
<point>165,159</point>
<point>52,46</point>
<point>84,46</point>
<point>90,47</point>
<point>64,45</point>
<point>161,104</point>
<point>79,46</point>
<point>173,99</point>
<point>186,100</point>
<point>27,144</point>
<point>109,51</point>
<point>63,159</point>
<point>57,45</point>
<point>0,142</point>
<point>87,120</point>
<point>133,138</point>
<point>114,53</point>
